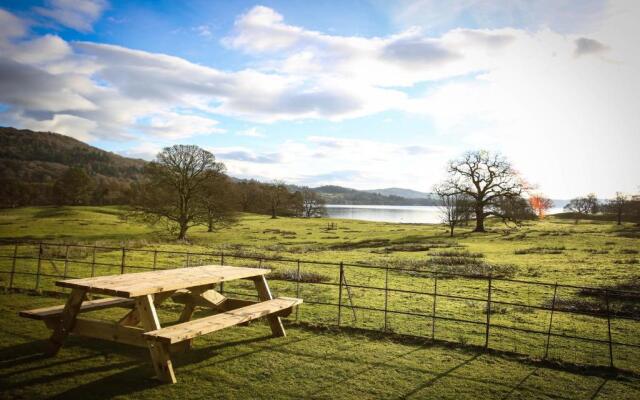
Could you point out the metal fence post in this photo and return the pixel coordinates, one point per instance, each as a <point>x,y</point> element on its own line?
<point>188,259</point>
<point>486,338</point>
<point>340,292</point>
<point>93,262</point>
<point>606,299</point>
<point>222,263</point>
<point>553,309</point>
<point>386,295</point>
<point>39,266</point>
<point>298,277</point>
<point>13,265</point>
<point>433,311</point>
<point>122,260</point>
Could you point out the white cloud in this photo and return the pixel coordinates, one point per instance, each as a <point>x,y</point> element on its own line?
<point>251,132</point>
<point>11,26</point>
<point>76,14</point>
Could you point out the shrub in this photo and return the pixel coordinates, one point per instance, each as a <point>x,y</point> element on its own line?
<point>454,253</point>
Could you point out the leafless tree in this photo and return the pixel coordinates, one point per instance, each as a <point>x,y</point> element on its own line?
<point>277,194</point>
<point>453,209</point>
<point>312,204</point>
<point>580,206</point>
<point>218,200</point>
<point>618,206</point>
<point>486,178</point>
<point>172,184</point>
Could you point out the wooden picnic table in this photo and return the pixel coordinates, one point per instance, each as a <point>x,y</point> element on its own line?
<point>142,292</point>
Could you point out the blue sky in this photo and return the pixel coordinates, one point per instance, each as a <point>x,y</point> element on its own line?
<point>366,94</point>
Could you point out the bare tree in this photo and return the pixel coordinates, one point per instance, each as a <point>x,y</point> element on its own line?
<point>579,206</point>
<point>486,178</point>
<point>453,209</point>
<point>618,206</point>
<point>312,204</point>
<point>277,194</point>
<point>218,200</point>
<point>172,184</point>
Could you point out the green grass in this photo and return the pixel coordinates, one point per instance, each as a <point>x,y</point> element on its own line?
<point>244,362</point>
<point>590,253</point>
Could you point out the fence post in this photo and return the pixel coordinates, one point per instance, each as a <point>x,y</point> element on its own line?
<point>93,262</point>
<point>553,309</point>
<point>222,263</point>
<point>122,260</point>
<point>486,338</point>
<point>298,288</point>
<point>386,295</point>
<point>606,298</point>
<point>433,312</point>
<point>13,265</point>
<point>155,259</point>
<point>39,266</point>
<point>188,259</point>
<point>340,292</point>
<point>66,262</point>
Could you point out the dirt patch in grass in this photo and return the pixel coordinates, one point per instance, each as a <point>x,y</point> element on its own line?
<point>629,251</point>
<point>457,253</point>
<point>627,261</point>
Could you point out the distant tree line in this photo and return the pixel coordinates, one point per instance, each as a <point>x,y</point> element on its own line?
<point>621,207</point>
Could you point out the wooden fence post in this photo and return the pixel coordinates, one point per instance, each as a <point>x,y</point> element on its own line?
<point>188,259</point>
<point>298,277</point>
<point>340,292</point>
<point>155,259</point>
<point>122,260</point>
<point>386,295</point>
<point>553,309</point>
<point>486,338</point>
<point>93,262</point>
<point>39,266</point>
<point>606,298</point>
<point>222,263</point>
<point>13,265</point>
<point>433,312</point>
<point>66,262</point>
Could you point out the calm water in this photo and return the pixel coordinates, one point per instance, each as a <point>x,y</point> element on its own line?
<point>396,214</point>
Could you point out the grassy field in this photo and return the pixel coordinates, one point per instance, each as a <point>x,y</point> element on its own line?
<point>245,362</point>
<point>590,253</point>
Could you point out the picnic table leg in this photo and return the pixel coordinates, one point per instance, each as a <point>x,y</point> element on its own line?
<point>67,321</point>
<point>264,294</point>
<point>159,352</point>
<point>132,318</point>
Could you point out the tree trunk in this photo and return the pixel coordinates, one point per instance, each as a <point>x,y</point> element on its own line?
<point>183,231</point>
<point>451,230</point>
<point>273,212</point>
<point>210,225</point>
<point>619,217</point>
<point>479,219</point>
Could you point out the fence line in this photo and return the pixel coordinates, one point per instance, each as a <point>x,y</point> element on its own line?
<point>437,275</point>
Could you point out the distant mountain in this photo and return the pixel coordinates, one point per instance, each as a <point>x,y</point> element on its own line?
<point>342,195</point>
<point>400,192</point>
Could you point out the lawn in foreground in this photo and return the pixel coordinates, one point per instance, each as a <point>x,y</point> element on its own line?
<point>244,362</point>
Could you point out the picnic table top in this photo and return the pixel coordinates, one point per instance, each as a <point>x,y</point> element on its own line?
<point>143,283</point>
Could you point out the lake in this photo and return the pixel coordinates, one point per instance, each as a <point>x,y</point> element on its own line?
<point>396,214</point>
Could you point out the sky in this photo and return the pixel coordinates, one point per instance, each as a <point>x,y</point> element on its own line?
<point>364,94</point>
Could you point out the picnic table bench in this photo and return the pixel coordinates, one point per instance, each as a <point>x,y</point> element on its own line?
<point>142,292</point>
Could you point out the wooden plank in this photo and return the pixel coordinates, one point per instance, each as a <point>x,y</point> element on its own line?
<point>264,294</point>
<point>143,283</point>
<point>132,318</point>
<point>159,351</point>
<point>189,330</point>
<point>99,304</point>
<point>67,321</point>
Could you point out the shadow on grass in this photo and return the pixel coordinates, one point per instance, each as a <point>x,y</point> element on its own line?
<point>439,376</point>
<point>124,377</point>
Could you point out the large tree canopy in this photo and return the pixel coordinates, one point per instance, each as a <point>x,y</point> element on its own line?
<point>172,186</point>
<point>489,180</point>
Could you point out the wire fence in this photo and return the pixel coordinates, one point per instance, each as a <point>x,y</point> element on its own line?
<point>577,324</point>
